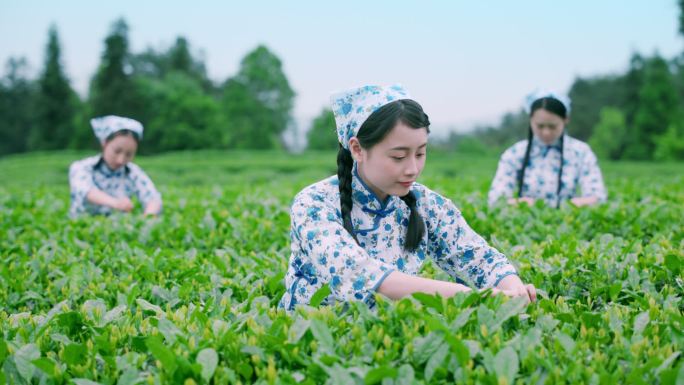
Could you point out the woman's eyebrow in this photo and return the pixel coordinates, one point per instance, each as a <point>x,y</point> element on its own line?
<point>404,148</point>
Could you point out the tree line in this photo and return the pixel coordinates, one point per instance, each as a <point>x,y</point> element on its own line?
<point>167,90</point>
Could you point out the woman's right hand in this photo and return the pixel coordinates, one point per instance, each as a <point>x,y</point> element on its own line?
<point>515,201</point>
<point>123,204</point>
<point>527,291</point>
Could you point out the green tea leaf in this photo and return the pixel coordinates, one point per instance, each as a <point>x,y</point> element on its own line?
<point>162,353</point>
<point>208,360</point>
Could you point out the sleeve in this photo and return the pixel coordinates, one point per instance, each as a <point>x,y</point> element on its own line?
<point>460,251</point>
<point>333,253</point>
<point>80,182</point>
<point>504,183</point>
<point>590,179</point>
<point>144,188</point>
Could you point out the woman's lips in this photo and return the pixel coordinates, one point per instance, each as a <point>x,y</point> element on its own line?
<point>406,184</point>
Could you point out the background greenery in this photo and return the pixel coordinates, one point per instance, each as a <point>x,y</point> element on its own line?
<point>633,115</point>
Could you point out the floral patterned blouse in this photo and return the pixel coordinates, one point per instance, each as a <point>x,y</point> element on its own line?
<point>580,170</point>
<point>93,172</point>
<point>323,252</point>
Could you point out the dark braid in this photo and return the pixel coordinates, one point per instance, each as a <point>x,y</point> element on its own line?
<point>345,163</point>
<point>560,172</point>
<point>416,226</point>
<point>521,173</point>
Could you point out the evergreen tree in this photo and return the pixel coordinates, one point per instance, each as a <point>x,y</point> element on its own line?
<point>56,104</point>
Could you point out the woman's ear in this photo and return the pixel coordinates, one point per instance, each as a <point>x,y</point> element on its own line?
<point>355,149</point>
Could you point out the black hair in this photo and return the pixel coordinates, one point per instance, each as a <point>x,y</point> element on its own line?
<point>373,131</point>
<point>556,107</point>
<point>123,132</point>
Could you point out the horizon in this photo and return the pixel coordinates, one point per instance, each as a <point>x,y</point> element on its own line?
<point>475,83</point>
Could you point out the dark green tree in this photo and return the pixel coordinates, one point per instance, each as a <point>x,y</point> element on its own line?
<point>608,136</point>
<point>322,135</point>
<point>657,109</point>
<point>56,104</point>
<point>182,115</point>
<point>17,96</point>
<point>112,90</point>
<point>257,102</point>
<point>681,17</point>
<point>589,96</point>
<point>178,58</point>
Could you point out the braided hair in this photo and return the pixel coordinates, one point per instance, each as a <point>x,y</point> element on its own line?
<point>558,108</point>
<point>373,131</point>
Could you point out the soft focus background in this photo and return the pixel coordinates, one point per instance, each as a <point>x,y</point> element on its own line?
<point>257,75</point>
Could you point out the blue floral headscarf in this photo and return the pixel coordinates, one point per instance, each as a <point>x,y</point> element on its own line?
<point>352,107</point>
<point>544,93</point>
<point>107,125</point>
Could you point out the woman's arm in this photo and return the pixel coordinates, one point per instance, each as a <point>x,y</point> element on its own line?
<point>584,201</point>
<point>153,207</point>
<point>515,201</point>
<point>147,193</point>
<point>398,285</point>
<point>101,198</point>
<point>512,286</point>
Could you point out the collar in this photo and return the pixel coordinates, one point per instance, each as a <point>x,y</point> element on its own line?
<point>543,148</point>
<point>366,198</point>
<point>101,165</point>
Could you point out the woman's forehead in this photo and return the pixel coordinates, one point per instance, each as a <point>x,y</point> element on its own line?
<point>123,141</point>
<point>544,115</point>
<point>405,137</point>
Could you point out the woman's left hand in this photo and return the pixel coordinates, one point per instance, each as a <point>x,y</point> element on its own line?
<point>512,286</point>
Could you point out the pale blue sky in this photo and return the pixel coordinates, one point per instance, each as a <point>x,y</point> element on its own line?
<point>465,62</point>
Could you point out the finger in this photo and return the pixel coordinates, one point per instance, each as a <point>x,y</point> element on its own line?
<point>532,292</point>
<point>521,292</point>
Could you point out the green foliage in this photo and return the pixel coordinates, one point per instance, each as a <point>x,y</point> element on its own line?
<point>323,134</point>
<point>17,98</point>
<point>658,108</point>
<point>192,295</point>
<point>181,114</point>
<point>258,101</point>
<point>609,134</point>
<point>670,145</point>
<point>168,91</point>
<point>56,103</point>
<point>681,17</point>
<point>178,58</point>
<point>589,96</point>
<point>112,90</point>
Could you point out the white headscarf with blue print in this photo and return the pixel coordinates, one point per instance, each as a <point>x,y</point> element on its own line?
<point>544,93</point>
<point>107,125</point>
<point>352,107</point>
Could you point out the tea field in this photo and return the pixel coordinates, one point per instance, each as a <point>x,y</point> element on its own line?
<point>190,297</point>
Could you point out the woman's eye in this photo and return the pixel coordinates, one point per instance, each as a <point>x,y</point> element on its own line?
<point>397,157</point>
<point>420,155</point>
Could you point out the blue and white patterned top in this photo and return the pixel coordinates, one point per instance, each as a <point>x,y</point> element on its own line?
<point>580,170</point>
<point>93,172</point>
<point>324,252</point>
